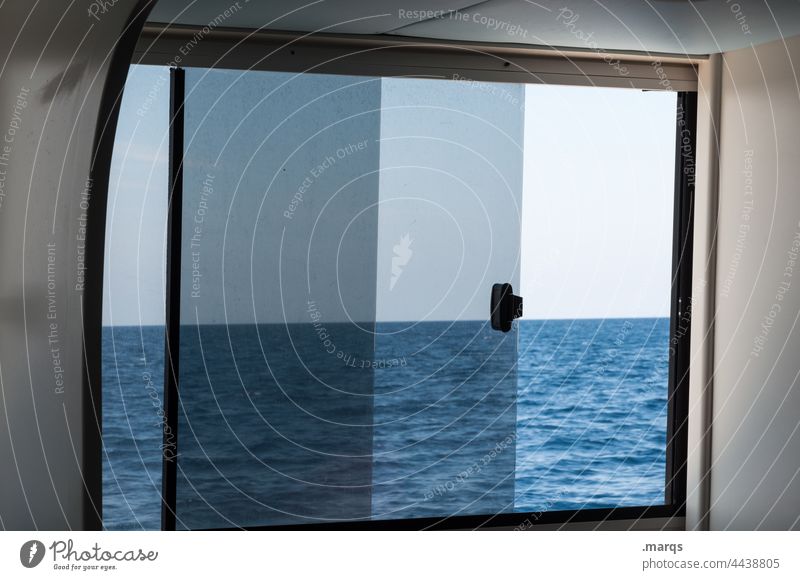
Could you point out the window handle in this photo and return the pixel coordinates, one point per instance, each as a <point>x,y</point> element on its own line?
<point>505,307</point>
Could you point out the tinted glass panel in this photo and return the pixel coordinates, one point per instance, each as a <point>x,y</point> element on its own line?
<point>451,184</point>
<point>278,295</point>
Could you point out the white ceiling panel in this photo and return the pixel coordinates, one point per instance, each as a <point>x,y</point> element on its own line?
<point>340,16</point>
<point>673,26</point>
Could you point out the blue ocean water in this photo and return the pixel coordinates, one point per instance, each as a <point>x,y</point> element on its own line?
<point>431,419</point>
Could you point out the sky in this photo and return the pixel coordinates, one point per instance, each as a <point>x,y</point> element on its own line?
<point>134,277</point>
<point>591,168</point>
<point>597,202</point>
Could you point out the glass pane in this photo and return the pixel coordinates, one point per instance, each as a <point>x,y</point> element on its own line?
<point>451,183</point>
<point>596,270</point>
<point>341,236</point>
<point>280,220</point>
<point>133,305</point>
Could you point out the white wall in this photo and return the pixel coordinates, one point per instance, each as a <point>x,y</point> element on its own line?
<point>756,399</point>
<point>52,98</point>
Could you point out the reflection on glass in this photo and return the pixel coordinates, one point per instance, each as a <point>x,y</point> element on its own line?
<point>341,235</point>
<point>278,296</point>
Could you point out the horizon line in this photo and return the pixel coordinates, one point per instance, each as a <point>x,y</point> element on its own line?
<point>391,321</point>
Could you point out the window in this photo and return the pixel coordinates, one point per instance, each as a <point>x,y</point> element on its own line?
<point>336,240</point>
<point>133,306</point>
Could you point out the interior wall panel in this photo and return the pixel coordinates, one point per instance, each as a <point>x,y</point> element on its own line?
<point>756,404</point>
<point>60,59</point>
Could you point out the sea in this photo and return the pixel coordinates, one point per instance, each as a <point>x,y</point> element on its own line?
<point>296,424</point>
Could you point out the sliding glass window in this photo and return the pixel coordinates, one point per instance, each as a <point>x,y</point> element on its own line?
<point>343,245</point>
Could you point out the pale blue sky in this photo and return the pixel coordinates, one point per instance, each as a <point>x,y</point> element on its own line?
<point>597,186</point>
<point>597,202</point>
<point>133,289</point>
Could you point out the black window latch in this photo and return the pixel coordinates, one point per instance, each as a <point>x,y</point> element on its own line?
<point>505,307</point>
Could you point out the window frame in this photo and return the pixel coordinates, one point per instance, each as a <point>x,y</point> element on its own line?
<point>335,58</point>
